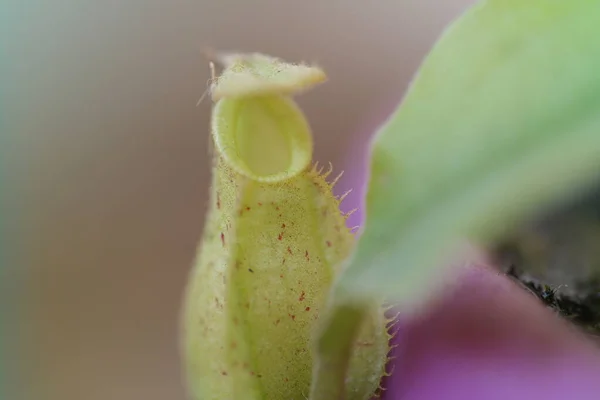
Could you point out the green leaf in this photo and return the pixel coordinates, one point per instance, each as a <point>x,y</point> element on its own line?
<point>501,122</point>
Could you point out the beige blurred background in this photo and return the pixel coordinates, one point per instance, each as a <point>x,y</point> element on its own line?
<point>108,168</point>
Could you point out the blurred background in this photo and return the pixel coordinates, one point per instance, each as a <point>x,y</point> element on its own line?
<point>107,168</point>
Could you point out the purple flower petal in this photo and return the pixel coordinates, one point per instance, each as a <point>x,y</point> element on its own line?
<point>488,340</point>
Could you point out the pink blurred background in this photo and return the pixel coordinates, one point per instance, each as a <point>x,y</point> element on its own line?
<point>108,167</point>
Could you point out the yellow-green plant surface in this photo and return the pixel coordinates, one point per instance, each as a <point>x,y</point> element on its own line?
<point>273,244</point>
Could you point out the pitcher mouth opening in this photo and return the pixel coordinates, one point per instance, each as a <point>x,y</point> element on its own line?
<point>265,138</point>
